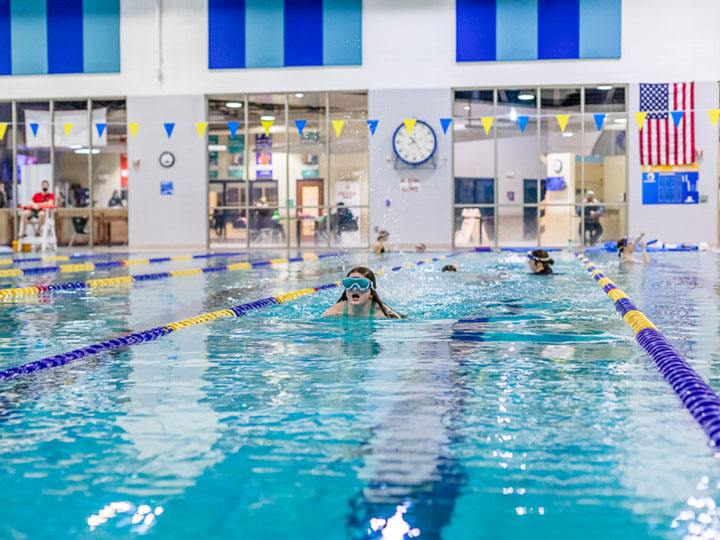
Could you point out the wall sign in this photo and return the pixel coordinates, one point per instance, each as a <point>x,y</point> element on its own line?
<point>166,188</point>
<point>670,184</point>
<point>410,184</point>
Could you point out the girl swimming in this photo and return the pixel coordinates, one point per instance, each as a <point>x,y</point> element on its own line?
<point>540,262</point>
<point>360,299</point>
<point>626,248</point>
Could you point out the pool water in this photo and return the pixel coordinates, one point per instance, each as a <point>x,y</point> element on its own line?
<point>505,405</point>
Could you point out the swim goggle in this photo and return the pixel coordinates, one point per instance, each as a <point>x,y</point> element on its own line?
<point>356,283</point>
<point>536,258</point>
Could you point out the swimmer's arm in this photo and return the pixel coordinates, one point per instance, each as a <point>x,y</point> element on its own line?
<point>335,310</point>
<point>646,260</point>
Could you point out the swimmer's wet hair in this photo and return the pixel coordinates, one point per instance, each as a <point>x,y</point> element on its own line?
<point>449,268</point>
<point>541,256</point>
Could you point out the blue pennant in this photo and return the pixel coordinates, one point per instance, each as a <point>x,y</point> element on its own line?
<point>677,116</point>
<point>599,120</point>
<point>233,127</point>
<point>300,125</point>
<point>34,128</point>
<point>445,124</point>
<point>100,129</point>
<point>169,128</point>
<point>372,126</point>
<point>522,122</point>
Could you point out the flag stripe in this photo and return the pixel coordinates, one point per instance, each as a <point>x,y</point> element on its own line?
<point>264,33</point>
<point>342,32</point>
<point>5,41</point>
<point>599,28</point>
<point>65,36</point>
<point>558,29</point>
<point>675,127</point>
<point>101,36</point>
<point>303,33</point>
<point>666,136</point>
<point>692,121</point>
<point>28,31</point>
<point>682,123</point>
<point>517,29</point>
<point>475,37</point>
<point>226,34</point>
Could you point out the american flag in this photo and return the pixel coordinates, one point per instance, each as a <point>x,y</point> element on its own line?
<point>661,143</point>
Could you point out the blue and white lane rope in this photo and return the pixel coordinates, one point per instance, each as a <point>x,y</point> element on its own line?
<point>154,333</point>
<point>33,290</point>
<point>695,394</point>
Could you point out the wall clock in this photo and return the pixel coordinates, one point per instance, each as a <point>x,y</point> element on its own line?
<point>417,147</point>
<point>167,159</point>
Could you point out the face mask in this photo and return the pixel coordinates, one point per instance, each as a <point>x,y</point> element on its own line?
<point>44,190</point>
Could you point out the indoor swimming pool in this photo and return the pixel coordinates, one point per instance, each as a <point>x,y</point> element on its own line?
<point>505,405</point>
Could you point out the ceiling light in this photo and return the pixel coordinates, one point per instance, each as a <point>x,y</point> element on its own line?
<point>299,95</point>
<point>605,87</point>
<point>467,107</point>
<point>620,120</point>
<point>525,97</point>
<point>568,134</point>
<point>216,147</point>
<point>513,114</point>
<point>75,146</point>
<point>267,117</point>
<point>233,105</point>
<point>87,151</point>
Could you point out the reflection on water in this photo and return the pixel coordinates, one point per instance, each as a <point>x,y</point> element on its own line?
<point>501,408</point>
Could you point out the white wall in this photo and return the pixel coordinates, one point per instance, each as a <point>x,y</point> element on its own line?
<point>180,219</point>
<point>412,217</point>
<point>405,45</point>
<point>679,222</point>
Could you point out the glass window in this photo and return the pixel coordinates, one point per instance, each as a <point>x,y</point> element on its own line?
<point>7,192</point>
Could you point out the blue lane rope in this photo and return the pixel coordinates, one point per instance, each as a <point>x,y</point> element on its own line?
<point>695,394</point>
<point>155,333</point>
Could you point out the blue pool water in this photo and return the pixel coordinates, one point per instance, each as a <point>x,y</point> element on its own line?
<point>505,406</point>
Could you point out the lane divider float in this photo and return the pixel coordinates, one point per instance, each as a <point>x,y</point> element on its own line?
<point>90,267</point>
<point>52,258</point>
<point>16,292</point>
<point>154,333</point>
<point>695,394</point>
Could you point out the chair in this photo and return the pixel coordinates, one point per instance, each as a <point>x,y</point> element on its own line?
<point>79,227</point>
<point>47,238</point>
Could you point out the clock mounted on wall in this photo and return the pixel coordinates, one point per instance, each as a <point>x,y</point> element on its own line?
<point>167,159</point>
<point>414,148</point>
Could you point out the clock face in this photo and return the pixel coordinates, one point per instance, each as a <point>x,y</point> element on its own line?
<point>417,147</point>
<point>557,165</point>
<point>167,159</point>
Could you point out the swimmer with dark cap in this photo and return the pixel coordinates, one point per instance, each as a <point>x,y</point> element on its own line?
<point>540,262</point>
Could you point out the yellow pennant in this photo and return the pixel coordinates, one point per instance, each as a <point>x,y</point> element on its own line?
<point>267,124</point>
<point>487,122</point>
<point>133,129</point>
<point>640,119</point>
<point>562,121</point>
<point>201,127</point>
<point>68,129</point>
<point>338,126</point>
<point>3,129</point>
<point>410,125</point>
<point>713,113</point>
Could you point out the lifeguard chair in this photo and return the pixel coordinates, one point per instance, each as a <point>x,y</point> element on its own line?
<point>43,236</point>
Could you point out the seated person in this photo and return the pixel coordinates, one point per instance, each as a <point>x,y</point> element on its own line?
<point>42,199</point>
<point>593,211</point>
<point>343,220</point>
<point>626,248</point>
<point>379,246</point>
<point>359,298</point>
<point>540,262</point>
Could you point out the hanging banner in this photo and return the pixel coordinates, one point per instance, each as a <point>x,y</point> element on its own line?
<point>310,166</point>
<point>670,184</point>
<point>213,164</point>
<point>236,157</point>
<point>263,165</point>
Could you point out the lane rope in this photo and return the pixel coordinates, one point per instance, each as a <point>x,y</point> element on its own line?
<point>90,267</point>
<point>695,394</point>
<point>15,292</point>
<point>51,258</point>
<point>154,333</point>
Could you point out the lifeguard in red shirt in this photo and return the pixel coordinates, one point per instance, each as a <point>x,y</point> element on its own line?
<point>36,209</point>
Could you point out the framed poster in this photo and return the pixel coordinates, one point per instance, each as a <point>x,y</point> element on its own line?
<point>236,157</point>
<point>213,166</point>
<point>263,165</point>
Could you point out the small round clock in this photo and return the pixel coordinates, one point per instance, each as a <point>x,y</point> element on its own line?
<point>557,165</point>
<point>417,147</point>
<point>167,159</point>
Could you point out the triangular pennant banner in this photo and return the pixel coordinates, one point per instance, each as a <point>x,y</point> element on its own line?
<point>67,128</point>
<point>677,116</point>
<point>3,129</point>
<point>169,126</point>
<point>522,122</point>
<point>445,124</point>
<point>372,126</point>
<point>300,124</point>
<point>100,128</point>
<point>133,129</point>
<point>640,119</point>
<point>599,120</point>
<point>267,124</point>
<point>714,114</point>
<point>233,127</point>
<point>201,127</point>
<point>34,128</point>
<point>487,122</point>
<point>562,120</point>
<point>410,125</point>
<point>338,125</point>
